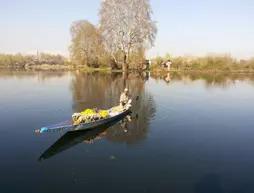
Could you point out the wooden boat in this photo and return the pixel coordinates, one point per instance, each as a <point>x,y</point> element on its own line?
<point>84,126</point>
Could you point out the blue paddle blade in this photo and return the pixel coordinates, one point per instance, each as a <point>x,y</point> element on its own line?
<point>43,129</point>
<point>57,127</point>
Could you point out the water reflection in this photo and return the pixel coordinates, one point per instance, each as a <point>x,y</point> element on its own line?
<point>81,80</point>
<point>204,143</point>
<point>39,75</point>
<point>71,139</point>
<point>211,79</point>
<point>103,91</point>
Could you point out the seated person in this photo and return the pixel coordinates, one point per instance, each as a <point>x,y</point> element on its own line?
<point>124,98</point>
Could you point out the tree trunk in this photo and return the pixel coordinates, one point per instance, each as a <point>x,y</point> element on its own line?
<point>125,77</point>
<point>125,67</point>
<point>86,59</point>
<point>113,64</point>
<point>125,63</point>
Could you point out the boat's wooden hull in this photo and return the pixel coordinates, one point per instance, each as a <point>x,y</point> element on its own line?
<point>74,137</point>
<point>86,126</point>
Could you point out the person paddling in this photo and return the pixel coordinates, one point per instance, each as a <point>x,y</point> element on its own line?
<point>124,98</point>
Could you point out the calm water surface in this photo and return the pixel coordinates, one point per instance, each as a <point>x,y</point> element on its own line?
<point>188,134</point>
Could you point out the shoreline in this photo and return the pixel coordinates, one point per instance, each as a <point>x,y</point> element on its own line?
<point>47,67</point>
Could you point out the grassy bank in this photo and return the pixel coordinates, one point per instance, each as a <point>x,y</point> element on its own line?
<point>207,64</point>
<point>179,64</point>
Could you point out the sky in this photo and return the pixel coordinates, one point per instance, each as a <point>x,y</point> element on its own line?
<point>185,27</point>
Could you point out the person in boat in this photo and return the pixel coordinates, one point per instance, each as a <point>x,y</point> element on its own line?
<point>124,98</point>
<point>90,115</point>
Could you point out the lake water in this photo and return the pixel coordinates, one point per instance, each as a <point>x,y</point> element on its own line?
<point>189,133</point>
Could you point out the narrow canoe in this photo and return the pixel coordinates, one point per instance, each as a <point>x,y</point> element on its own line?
<point>84,126</point>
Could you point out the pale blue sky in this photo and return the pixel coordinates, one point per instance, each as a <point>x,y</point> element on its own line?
<point>185,27</point>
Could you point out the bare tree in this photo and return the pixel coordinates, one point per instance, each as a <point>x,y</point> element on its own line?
<point>126,26</point>
<point>87,47</point>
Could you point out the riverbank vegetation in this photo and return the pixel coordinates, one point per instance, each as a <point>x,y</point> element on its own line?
<point>53,62</point>
<point>119,42</point>
<point>205,63</point>
<point>26,61</point>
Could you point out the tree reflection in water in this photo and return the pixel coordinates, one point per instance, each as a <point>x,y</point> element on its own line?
<point>103,90</point>
<point>211,79</point>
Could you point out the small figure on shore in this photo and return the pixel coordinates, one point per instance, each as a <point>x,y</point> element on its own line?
<point>168,64</point>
